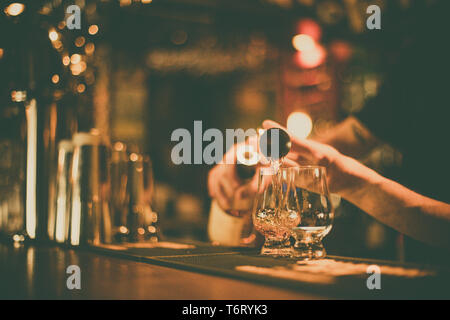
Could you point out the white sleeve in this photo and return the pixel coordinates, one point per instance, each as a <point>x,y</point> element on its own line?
<point>224,228</point>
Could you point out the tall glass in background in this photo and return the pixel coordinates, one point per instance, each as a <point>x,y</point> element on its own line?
<point>135,198</point>
<point>132,189</point>
<point>90,220</point>
<point>61,203</point>
<point>141,220</point>
<point>119,177</point>
<point>151,218</point>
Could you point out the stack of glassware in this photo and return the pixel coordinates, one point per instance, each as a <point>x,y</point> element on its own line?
<point>103,195</point>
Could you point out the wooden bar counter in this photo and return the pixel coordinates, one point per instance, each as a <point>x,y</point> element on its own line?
<point>201,272</point>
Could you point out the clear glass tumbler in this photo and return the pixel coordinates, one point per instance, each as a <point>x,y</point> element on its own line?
<point>308,191</point>
<point>272,217</point>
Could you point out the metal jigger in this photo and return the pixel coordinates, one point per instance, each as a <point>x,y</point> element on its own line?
<point>275,144</point>
<point>90,221</point>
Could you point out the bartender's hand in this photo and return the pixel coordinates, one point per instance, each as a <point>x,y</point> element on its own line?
<point>223,183</point>
<point>309,152</point>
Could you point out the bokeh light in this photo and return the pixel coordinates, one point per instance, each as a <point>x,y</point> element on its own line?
<point>89,48</point>
<point>93,29</point>
<point>55,78</point>
<point>303,42</point>
<point>75,58</point>
<point>299,124</point>
<point>66,60</point>
<point>53,35</point>
<point>79,42</point>
<point>81,87</point>
<point>14,9</point>
<point>311,58</point>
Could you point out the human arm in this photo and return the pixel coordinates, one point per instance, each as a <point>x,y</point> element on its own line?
<point>408,212</point>
<point>349,137</point>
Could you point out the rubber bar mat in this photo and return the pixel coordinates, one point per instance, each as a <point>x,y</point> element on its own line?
<point>331,277</point>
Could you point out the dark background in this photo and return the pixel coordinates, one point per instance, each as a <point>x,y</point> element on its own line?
<point>161,65</point>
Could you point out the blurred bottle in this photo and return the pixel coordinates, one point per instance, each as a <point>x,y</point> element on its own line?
<point>17,134</point>
<point>28,61</point>
<point>12,167</point>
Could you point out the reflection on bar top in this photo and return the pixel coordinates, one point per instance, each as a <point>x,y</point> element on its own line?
<point>150,245</point>
<point>326,270</point>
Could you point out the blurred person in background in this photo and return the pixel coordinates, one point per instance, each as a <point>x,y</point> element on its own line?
<point>410,112</point>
